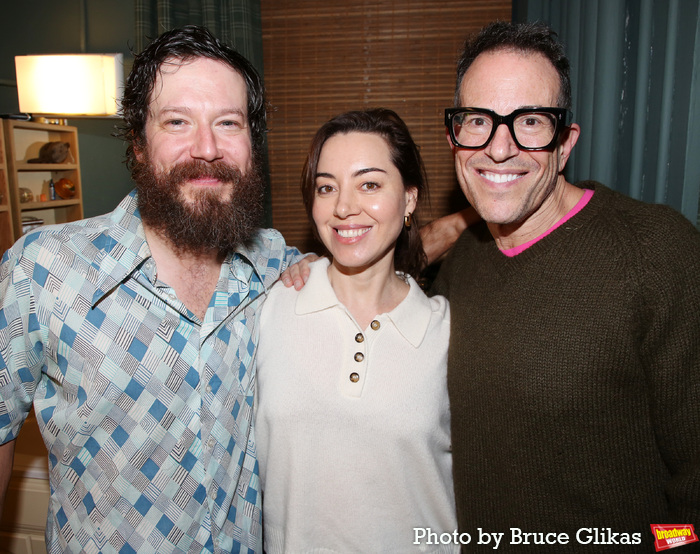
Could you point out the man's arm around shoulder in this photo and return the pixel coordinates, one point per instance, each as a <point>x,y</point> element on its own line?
<point>439,235</point>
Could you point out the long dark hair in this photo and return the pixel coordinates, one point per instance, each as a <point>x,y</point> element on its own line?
<point>409,256</point>
<point>182,45</point>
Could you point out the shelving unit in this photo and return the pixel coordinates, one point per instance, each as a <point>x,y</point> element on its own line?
<point>23,521</point>
<point>23,140</point>
<point>7,234</point>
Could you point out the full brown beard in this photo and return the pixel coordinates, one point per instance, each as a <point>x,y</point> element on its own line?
<point>208,221</point>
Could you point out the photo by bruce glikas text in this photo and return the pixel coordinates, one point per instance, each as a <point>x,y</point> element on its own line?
<point>516,536</point>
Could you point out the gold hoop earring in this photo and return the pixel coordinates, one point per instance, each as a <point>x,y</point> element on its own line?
<point>407,221</point>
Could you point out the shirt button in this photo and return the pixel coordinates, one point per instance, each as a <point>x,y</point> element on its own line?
<point>359,337</point>
<point>208,388</point>
<point>211,442</point>
<point>359,356</point>
<point>375,325</point>
<point>354,377</point>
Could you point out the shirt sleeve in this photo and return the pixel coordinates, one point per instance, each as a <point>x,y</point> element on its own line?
<point>292,256</point>
<point>21,347</point>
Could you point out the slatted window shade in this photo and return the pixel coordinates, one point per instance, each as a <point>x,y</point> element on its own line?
<point>323,57</point>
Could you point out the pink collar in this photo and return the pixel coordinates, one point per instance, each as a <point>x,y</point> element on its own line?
<point>510,252</point>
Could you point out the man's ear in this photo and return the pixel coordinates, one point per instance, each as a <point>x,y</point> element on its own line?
<point>569,138</point>
<point>138,152</point>
<point>449,140</point>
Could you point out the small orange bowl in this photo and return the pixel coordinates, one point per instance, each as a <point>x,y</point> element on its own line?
<point>65,189</point>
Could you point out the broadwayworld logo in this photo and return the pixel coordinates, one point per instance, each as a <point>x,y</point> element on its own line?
<point>670,536</point>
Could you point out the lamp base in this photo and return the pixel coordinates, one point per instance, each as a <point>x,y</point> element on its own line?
<point>50,120</point>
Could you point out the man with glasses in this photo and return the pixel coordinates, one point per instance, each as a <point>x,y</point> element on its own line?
<point>574,362</point>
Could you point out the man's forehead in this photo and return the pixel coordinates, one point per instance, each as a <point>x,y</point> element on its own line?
<point>214,77</point>
<point>173,63</point>
<point>511,75</point>
<point>172,67</point>
<point>494,62</point>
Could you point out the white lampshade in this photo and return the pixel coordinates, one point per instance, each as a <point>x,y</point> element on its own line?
<point>70,84</point>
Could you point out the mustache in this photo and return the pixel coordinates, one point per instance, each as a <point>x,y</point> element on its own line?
<point>196,169</point>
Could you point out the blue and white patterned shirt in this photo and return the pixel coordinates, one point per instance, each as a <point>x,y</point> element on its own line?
<point>146,410</point>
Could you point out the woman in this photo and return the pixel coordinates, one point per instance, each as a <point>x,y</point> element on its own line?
<point>352,422</point>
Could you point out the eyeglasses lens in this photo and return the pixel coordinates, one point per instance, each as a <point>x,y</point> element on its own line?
<point>534,129</point>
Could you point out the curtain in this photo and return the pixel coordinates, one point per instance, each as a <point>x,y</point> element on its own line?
<point>636,93</point>
<point>236,22</point>
<point>400,54</point>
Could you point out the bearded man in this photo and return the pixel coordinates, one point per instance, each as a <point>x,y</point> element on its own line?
<point>133,334</point>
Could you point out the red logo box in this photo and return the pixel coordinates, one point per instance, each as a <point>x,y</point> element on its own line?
<point>671,536</point>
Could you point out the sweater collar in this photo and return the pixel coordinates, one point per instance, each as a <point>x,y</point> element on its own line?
<point>599,199</point>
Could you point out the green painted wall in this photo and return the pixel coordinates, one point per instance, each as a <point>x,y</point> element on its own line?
<point>67,27</point>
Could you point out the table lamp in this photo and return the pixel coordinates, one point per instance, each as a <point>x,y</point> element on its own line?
<point>76,85</point>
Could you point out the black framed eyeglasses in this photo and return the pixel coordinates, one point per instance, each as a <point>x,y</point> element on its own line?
<point>531,128</point>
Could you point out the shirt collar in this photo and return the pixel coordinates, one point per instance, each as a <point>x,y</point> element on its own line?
<point>411,317</point>
<point>250,255</point>
<point>122,246</point>
<point>124,249</point>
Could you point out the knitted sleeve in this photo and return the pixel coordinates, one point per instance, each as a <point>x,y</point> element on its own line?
<point>669,272</point>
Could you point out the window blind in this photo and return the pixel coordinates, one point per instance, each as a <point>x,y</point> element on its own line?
<point>323,57</point>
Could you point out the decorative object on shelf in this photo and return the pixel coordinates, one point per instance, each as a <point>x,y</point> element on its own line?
<point>55,152</point>
<point>52,190</point>
<point>65,189</point>
<point>25,195</point>
<point>29,223</point>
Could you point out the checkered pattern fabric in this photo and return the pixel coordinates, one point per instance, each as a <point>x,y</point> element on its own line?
<point>146,410</point>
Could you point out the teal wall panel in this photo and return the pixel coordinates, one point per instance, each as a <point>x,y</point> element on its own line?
<point>74,26</point>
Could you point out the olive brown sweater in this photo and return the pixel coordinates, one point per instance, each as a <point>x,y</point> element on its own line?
<point>574,379</point>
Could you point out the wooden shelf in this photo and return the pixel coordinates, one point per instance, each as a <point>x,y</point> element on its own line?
<point>23,140</point>
<point>50,205</point>
<point>21,166</point>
